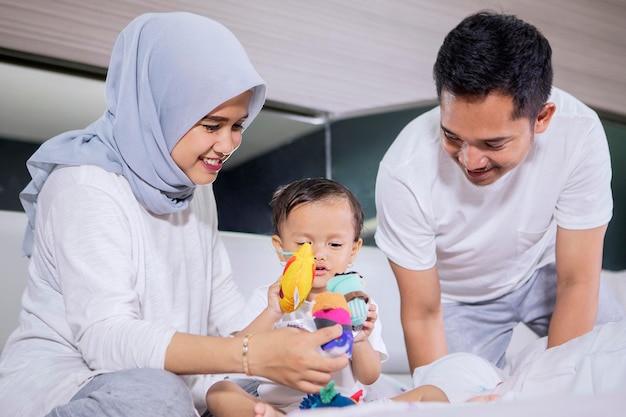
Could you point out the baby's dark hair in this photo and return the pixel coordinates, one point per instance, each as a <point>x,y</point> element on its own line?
<point>494,52</point>
<point>311,190</point>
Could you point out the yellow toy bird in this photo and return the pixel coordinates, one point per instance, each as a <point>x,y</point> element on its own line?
<point>297,279</point>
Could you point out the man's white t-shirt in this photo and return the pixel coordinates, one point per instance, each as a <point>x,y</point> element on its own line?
<point>487,241</point>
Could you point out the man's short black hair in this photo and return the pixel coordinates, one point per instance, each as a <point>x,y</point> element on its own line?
<point>494,52</point>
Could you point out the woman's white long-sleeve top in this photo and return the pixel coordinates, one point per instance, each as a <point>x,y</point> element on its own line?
<point>109,285</point>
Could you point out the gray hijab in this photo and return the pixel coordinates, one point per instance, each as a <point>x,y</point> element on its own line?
<point>167,71</point>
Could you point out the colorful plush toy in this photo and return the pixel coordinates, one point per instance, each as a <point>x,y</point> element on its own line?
<point>297,279</point>
<point>329,309</point>
<point>350,285</point>
<point>329,397</point>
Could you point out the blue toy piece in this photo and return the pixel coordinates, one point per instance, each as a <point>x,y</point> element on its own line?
<point>328,397</point>
<point>342,344</point>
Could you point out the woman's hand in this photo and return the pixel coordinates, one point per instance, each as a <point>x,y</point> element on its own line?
<point>292,357</point>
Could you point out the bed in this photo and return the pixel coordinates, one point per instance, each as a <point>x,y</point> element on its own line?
<point>603,405</point>
<point>252,253</point>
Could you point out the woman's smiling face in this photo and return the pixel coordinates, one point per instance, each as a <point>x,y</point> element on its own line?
<point>202,151</point>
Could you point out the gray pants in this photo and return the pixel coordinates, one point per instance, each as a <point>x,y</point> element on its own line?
<point>486,328</point>
<point>131,393</point>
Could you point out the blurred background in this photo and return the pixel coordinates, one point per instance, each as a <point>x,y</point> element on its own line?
<point>343,78</point>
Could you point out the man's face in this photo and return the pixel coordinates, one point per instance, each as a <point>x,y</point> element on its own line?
<point>481,136</point>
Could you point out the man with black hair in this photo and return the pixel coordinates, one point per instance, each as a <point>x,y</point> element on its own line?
<point>492,207</point>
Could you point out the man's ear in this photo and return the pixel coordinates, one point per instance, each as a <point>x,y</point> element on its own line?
<point>544,117</point>
<point>278,246</point>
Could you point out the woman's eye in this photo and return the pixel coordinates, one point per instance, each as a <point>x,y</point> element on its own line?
<point>211,128</point>
<point>451,139</point>
<point>238,126</point>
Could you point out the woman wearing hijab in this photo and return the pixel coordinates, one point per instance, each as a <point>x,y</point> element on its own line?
<point>130,298</point>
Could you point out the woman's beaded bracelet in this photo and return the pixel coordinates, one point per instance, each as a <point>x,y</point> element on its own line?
<point>246,366</point>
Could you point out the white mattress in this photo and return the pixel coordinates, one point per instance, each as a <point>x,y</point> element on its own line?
<point>602,405</point>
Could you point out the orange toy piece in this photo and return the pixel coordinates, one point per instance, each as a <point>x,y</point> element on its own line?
<point>297,279</point>
<point>330,301</point>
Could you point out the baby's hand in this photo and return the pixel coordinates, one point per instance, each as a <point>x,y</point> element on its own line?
<point>368,326</point>
<point>272,299</point>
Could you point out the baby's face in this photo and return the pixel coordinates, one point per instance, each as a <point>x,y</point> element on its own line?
<point>328,227</point>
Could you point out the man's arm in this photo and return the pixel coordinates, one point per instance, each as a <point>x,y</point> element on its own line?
<point>578,266</point>
<point>421,315</point>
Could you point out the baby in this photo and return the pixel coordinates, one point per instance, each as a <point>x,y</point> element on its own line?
<point>329,217</point>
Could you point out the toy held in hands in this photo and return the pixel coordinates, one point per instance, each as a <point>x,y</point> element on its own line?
<point>297,279</point>
<point>350,285</point>
<point>329,309</point>
<point>329,397</point>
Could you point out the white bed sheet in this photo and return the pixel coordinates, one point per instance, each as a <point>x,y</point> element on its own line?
<point>584,377</point>
<point>601,405</point>
<point>594,363</point>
